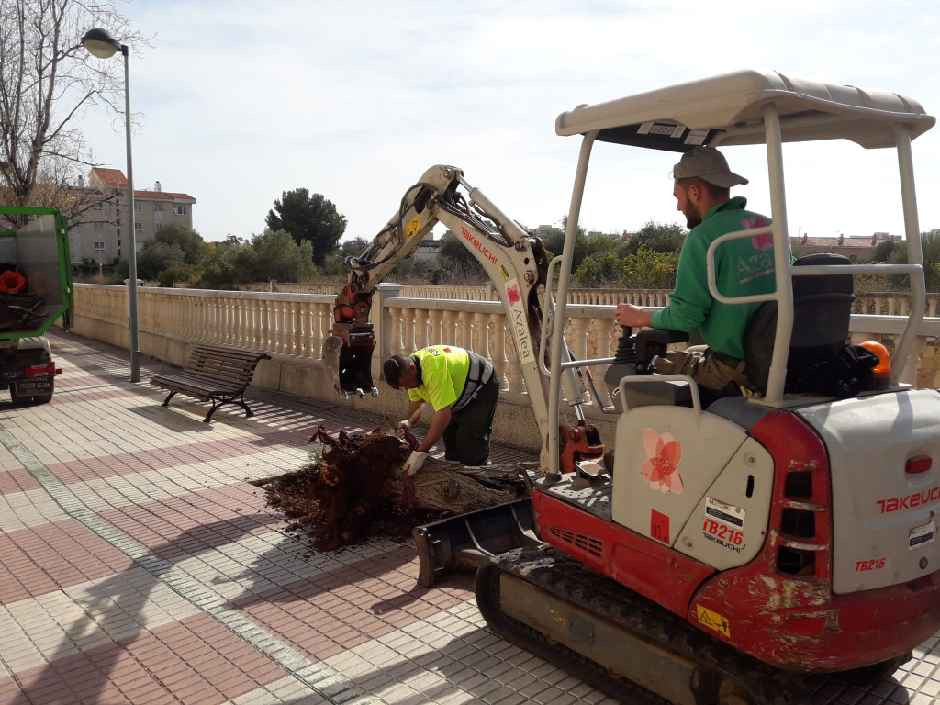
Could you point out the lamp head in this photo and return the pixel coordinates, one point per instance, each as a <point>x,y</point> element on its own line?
<point>101,44</point>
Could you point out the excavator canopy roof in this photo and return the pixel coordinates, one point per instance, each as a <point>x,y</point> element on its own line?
<point>729,107</point>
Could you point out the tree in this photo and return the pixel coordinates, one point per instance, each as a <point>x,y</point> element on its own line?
<point>188,240</point>
<point>585,245</point>
<point>454,250</point>
<point>351,248</point>
<point>155,257</point>
<point>930,244</point>
<point>658,238</point>
<point>647,269</point>
<point>883,251</point>
<point>307,218</point>
<point>177,273</point>
<point>275,255</point>
<point>219,269</point>
<point>458,263</point>
<point>600,269</point>
<point>47,79</point>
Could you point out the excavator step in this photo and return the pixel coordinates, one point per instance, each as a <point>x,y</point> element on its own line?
<point>622,644</point>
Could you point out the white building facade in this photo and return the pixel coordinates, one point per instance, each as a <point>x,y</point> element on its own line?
<point>106,238</point>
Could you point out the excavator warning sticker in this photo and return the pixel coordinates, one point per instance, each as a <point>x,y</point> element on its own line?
<point>713,620</point>
<point>922,535</point>
<point>412,228</point>
<point>724,524</point>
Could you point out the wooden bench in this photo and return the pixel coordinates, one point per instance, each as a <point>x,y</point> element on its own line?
<point>216,374</point>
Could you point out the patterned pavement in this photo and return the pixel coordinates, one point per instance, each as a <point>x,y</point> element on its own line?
<point>138,565</point>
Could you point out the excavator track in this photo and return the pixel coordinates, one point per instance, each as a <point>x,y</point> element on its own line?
<point>618,642</point>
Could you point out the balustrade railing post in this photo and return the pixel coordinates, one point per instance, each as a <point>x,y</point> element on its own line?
<point>434,321</point>
<point>383,326</point>
<point>463,335</point>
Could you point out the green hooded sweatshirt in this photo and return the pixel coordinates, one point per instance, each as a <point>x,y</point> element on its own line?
<point>742,268</point>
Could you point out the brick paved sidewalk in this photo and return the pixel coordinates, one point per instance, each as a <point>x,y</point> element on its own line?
<point>138,565</point>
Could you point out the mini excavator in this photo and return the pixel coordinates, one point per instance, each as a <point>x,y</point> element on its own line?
<point>722,550</point>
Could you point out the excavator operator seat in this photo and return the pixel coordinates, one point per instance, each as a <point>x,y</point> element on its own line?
<point>822,306</point>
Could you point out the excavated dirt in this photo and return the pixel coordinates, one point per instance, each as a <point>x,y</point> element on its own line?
<point>345,496</point>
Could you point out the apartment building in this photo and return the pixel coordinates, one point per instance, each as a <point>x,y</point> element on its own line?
<point>106,238</point>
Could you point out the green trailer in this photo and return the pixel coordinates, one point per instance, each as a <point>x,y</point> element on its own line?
<point>35,292</point>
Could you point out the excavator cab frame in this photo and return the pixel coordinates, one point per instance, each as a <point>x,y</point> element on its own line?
<point>740,109</point>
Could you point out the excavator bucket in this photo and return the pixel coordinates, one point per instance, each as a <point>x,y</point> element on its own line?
<point>350,361</point>
<point>465,541</point>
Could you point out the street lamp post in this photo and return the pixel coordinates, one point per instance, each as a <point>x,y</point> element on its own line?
<point>101,44</point>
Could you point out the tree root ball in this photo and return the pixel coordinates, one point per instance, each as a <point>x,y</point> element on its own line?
<point>355,489</point>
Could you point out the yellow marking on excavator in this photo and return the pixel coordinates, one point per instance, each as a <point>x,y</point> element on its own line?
<point>412,228</point>
<point>713,620</point>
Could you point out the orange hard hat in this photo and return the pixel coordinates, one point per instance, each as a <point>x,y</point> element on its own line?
<point>881,352</point>
<point>12,282</point>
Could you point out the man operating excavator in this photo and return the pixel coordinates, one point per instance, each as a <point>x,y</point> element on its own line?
<point>461,388</point>
<point>742,267</point>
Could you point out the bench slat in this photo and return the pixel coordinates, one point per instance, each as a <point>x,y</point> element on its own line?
<point>197,383</point>
<point>217,371</point>
<point>229,353</point>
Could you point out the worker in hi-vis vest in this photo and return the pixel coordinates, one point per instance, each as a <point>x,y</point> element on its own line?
<point>461,388</point>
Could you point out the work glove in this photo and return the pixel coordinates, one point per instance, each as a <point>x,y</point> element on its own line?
<point>414,462</point>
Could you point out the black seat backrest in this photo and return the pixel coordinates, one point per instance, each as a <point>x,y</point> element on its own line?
<point>822,307</point>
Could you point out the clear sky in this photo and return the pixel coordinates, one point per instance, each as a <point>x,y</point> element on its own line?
<point>239,101</point>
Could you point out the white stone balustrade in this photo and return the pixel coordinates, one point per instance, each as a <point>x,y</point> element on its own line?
<point>292,327</point>
<point>281,324</point>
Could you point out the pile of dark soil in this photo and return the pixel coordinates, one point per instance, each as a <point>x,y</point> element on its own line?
<point>352,492</point>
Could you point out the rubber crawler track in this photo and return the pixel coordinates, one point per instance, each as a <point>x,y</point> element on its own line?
<point>753,682</point>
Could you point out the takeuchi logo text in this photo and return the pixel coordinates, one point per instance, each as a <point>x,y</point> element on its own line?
<point>479,246</point>
<point>911,501</point>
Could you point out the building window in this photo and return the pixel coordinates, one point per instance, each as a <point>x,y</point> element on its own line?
<point>181,210</point>
<point>99,245</point>
<point>158,206</point>
<point>137,206</point>
<point>138,226</point>
<point>99,205</point>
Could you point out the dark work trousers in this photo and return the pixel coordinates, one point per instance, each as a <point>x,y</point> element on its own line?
<point>467,436</point>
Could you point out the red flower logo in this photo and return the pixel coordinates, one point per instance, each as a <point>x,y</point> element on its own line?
<point>759,242</point>
<point>661,468</point>
<point>512,293</point>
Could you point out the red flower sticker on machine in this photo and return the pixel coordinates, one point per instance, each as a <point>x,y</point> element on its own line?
<point>661,467</point>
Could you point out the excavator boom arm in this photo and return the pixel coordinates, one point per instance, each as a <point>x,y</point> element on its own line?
<point>514,261</point>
